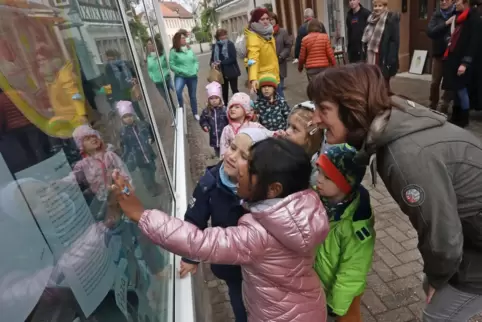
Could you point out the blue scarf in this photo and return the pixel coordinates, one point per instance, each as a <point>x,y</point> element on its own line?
<point>226,181</point>
<point>447,13</point>
<point>224,50</point>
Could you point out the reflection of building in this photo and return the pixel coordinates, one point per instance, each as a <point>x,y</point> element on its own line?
<point>98,29</point>
<point>176,17</point>
<point>233,15</point>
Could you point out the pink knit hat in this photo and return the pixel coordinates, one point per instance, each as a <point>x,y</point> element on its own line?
<point>125,107</point>
<point>81,132</point>
<point>214,89</point>
<point>243,100</point>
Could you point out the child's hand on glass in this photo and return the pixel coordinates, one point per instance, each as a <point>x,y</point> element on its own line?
<point>206,129</point>
<point>187,268</point>
<point>150,141</point>
<point>128,201</point>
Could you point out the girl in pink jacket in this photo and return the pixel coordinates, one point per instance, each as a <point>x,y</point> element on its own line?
<point>274,244</point>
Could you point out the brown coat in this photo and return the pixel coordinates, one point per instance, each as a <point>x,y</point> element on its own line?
<point>316,52</point>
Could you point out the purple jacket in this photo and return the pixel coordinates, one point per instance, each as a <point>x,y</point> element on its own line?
<point>275,245</point>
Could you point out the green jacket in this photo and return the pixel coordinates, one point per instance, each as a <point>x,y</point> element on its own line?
<point>345,257</point>
<point>154,67</point>
<point>184,63</point>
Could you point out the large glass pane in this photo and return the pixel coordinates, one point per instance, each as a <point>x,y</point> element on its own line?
<point>72,109</point>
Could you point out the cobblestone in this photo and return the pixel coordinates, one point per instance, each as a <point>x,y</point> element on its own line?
<point>394,291</point>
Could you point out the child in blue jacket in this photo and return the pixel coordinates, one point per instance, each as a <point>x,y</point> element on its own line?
<point>214,117</point>
<point>215,198</point>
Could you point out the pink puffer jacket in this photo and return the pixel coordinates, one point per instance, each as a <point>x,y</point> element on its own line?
<point>275,246</point>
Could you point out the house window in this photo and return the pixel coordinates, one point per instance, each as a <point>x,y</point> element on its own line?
<point>423,9</point>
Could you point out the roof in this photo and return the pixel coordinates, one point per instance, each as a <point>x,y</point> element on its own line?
<point>172,9</point>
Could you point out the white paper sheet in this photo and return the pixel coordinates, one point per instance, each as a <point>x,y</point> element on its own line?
<point>26,261</point>
<point>76,240</point>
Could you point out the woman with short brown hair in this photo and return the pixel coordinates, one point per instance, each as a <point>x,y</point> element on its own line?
<point>430,167</point>
<point>316,52</point>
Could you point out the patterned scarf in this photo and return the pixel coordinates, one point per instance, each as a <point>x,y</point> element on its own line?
<point>373,33</point>
<point>224,50</point>
<point>264,31</point>
<point>121,71</point>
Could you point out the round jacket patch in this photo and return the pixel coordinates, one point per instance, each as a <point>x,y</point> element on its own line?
<point>413,195</point>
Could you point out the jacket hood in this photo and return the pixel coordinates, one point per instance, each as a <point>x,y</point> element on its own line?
<point>299,221</point>
<point>404,118</point>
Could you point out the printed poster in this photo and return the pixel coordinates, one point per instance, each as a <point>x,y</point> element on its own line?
<point>76,240</point>
<point>27,261</point>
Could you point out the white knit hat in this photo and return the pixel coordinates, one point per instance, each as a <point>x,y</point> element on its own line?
<point>214,89</point>
<point>243,100</point>
<point>256,134</point>
<point>125,107</point>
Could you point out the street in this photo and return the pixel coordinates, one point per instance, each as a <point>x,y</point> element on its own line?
<point>394,291</point>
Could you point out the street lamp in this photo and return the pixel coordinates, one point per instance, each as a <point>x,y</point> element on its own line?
<point>76,21</point>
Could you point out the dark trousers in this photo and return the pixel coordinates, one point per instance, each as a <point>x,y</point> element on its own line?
<point>148,173</point>
<point>236,297</point>
<point>233,83</point>
<point>354,56</point>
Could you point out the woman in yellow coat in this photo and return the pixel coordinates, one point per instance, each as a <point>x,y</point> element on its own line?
<point>261,48</point>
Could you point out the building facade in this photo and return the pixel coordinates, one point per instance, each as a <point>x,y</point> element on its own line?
<point>176,17</point>
<point>414,18</point>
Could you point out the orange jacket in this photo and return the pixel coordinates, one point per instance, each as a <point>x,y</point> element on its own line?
<point>316,51</point>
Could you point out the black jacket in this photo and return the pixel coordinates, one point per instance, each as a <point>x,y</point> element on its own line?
<point>355,26</point>
<point>389,46</point>
<point>438,31</point>
<point>464,53</point>
<point>302,32</point>
<point>212,200</point>
<point>229,67</point>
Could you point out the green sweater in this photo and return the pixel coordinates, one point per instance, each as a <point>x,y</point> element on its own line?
<point>345,257</point>
<point>184,63</point>
<point>155,66</point>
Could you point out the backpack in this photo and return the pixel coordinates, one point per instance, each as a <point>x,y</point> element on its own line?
<point>240,46</point>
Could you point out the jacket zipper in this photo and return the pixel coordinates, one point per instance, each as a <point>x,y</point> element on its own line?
<point>140,145</point>
<point>216,127</point>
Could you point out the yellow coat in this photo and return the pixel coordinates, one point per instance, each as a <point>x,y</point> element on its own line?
<point>263,52</point>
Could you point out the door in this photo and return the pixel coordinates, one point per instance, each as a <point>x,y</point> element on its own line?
<point>420,13</point>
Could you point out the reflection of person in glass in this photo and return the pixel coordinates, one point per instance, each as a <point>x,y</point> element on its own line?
<point>96,167</point>
<point>158,68</point>
<point>185,65</point>
<point>120,75</point>
<point>136,139</point>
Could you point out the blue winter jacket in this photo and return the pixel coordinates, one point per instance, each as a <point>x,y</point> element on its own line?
<point>212,200</point>
<point>136,150</point>
<point>215,119</point>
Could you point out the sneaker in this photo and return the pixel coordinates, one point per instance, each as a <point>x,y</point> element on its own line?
<point>295,61</point>
<point>197,117</point>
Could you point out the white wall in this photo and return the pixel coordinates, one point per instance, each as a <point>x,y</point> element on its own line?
<point>174,24</point>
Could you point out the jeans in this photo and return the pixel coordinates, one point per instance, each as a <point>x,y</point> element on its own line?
<point>281,87</point>
<point>236,298</point>
<point>450,304</point>
<point>233,83</point>
<point>463,99</point>
<point>160,87</point>
<point>191,82</point>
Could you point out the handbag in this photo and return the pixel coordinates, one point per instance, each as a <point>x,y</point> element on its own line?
<point>136,93</point>
<point>215,75</point>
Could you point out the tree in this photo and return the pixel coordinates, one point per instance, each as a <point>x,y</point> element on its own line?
<point>138,29</point>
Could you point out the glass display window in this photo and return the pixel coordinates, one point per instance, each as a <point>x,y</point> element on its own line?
<point>69,253</point>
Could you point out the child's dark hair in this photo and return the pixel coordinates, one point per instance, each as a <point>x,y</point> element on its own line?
<point>279,160</point>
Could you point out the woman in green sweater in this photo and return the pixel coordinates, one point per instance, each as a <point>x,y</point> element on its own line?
<point>158,69</point>
<point>185,65</point>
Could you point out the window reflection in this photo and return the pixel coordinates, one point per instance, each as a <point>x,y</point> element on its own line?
<point>72,110</point>
<point>423,9</point>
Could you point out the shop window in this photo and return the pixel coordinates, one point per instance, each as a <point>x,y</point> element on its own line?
<point>68,249</point>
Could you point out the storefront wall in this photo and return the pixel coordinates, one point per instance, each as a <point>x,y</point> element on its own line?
<point>68,251</point>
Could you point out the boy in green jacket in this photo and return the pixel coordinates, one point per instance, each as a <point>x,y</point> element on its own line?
<point>344,259</point>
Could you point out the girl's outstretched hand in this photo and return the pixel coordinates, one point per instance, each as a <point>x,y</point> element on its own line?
<point>128,201</point>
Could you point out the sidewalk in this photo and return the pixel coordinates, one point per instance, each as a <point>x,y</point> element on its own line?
<point>394,291</point>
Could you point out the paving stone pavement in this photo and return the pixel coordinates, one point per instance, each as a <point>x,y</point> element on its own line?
<point>394,291</point>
